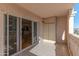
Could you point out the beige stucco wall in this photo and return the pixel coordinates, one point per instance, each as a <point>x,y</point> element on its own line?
<point>61,29</point>
<point>15,10</point>
<point>60,22</point>
<point>73,44</point>
<point>71,15</point>
<point>49,29</point>
<point>72,39</point>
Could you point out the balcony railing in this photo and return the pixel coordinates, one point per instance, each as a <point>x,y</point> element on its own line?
<point>73,44</point>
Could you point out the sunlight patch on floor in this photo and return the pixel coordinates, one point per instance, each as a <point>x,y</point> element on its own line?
<point>44,48</point>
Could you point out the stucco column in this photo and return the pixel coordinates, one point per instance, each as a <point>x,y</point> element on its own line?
<point>71,20</point>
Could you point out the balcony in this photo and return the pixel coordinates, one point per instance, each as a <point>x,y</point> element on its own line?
<point>49,37</point>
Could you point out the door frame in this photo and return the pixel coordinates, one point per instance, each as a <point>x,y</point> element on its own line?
<point>33,32</point>
<point>19,42</point>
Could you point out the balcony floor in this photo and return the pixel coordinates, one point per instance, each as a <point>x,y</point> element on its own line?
<point>47,49</point>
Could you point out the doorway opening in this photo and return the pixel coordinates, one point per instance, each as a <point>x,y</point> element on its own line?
<point>26,33</point>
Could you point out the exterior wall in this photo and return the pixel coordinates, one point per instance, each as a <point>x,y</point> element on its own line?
<point>71,20</point>
<point>49,29</point>
<point>71,25</point>
<point>15,10</point>
<point>70,30</point>
<point>61,29</point>
<point>73,43</point>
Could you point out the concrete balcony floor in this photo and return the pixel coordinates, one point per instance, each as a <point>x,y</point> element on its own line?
<point>47,49</point>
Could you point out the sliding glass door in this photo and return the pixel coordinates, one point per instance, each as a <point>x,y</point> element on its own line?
<point>12,34</point>
<point>26,33</point>
<point>20,33</point>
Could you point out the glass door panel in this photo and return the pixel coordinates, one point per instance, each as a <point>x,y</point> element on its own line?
<point>35,32</point>
<point>26,33</point>
<point>12,34</point>
<point>18,34</point>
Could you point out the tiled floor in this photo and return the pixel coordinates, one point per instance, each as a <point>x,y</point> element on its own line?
<point>57,50</point>
<point>44,48</point>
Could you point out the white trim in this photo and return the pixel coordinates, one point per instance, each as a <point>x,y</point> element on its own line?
<point>37,31</point>
<point>17,40</point>
<point>20,34</point>
<point>3,33</point>
<point>7,34</point>
<point>32,32</point>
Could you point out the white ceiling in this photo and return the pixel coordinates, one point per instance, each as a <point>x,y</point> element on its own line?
<point>45,10</point>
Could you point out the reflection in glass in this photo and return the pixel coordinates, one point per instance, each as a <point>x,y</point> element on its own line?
<point>14,39</point>
<point>35,32</point>
<point>26,33</point>
<point>12,34</point>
